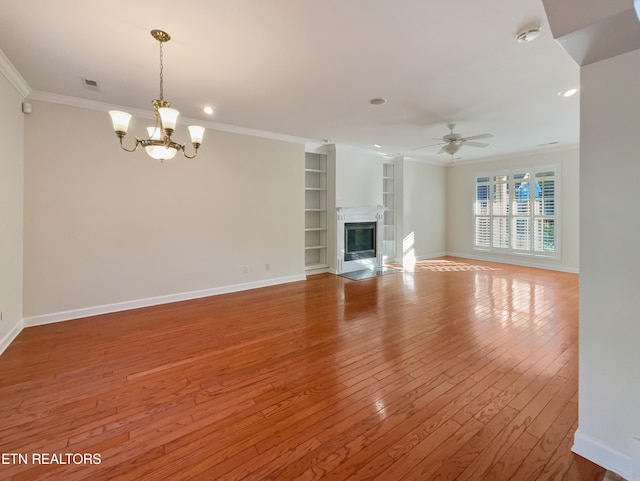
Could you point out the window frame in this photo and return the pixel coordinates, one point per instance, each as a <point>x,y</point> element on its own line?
<point>511,216</point>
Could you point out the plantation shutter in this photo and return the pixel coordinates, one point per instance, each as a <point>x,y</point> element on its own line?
<point>500,212</point>
<point>521,209</point>
<point>545,212</point>
<point>482,213</point>
<point>516,212</point>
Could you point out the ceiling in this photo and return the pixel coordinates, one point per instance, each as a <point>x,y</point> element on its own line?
<point>308,68</point>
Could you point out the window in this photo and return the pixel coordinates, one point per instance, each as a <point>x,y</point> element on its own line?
<point>517,212</point>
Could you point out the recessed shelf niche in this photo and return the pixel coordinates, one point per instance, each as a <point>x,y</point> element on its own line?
<point>315,211</point>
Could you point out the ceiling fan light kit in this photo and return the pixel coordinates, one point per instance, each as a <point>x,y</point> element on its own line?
<point>451,148</point>
<point>158,144</point>
<point>453,141</point>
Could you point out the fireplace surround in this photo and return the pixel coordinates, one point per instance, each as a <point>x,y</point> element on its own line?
<point>359,238</point>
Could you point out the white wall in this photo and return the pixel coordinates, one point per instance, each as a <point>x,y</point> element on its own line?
<point>423,225</point>
<point>358,178</point>
<point>106,227</point>
<point>609,389</point>
<point>461,196</point>
<point>11,205</point>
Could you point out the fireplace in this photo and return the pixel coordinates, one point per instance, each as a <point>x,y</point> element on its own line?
<point>359,240</point>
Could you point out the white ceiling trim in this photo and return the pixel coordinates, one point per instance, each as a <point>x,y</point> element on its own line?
<point>13,76</point>
<point>148,114</point>
<point>519,155</point>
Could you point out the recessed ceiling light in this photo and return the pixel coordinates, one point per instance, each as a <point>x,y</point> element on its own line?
<point>528,34</point>
<point>377,146</point>
<point>378,101</point>
<point>568,92</point>
<point>208,110</point>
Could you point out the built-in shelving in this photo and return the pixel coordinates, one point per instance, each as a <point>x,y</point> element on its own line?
<point>315,211</point>
<point>389,201</point>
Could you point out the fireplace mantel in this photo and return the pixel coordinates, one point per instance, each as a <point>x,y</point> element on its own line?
<point>358,214</point>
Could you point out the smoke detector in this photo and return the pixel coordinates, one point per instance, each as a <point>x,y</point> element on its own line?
<point>528,34</point>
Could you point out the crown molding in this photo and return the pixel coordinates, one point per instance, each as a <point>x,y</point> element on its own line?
<point>13,76</point>
<point>541,151</point>
<point>148,114</point>
<point>437,163</point>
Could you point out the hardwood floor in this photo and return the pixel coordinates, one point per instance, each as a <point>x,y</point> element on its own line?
<point>460,371</point>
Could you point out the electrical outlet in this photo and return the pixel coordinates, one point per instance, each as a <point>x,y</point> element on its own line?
<point>246,269</point>
<point>267,267</point>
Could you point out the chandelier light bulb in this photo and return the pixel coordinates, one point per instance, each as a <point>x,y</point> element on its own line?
<point>169,118</point>
<point>197,133</point>
<point>154,133</point>
<point>120,121</point>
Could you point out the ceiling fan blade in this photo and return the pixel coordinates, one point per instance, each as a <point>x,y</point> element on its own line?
<point>477,137</point>
<point>440,151</point>
<point>476,144</point>
<point>425,146</point>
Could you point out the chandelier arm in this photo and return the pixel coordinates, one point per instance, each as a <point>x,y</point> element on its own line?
<point>184,152</point>
<point>135,147</point>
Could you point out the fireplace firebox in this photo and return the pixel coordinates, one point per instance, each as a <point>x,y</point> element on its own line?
<point>359,240</point>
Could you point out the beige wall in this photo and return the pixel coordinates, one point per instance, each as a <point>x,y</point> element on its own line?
<point>358,178</point>
<point>460,199</point>
<point>609,388</point>
<point>423,221</point>
<point>105,227</point>
<point>11,205</point>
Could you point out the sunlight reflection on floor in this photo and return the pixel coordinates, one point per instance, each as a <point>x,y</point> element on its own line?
<point>442,265</point>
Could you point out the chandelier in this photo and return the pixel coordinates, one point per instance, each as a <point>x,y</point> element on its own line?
<point>158,144</point>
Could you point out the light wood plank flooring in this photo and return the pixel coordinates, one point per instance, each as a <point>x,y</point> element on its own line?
<point>462,370</point>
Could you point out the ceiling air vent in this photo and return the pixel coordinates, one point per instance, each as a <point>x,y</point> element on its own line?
<point>90,84</point>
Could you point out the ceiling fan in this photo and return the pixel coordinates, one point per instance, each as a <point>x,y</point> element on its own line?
<point>452,142</point>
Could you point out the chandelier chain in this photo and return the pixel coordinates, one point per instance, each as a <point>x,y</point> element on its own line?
<point>161,74</point>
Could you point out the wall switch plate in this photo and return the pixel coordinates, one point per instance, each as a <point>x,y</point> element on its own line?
<point>246,269</point>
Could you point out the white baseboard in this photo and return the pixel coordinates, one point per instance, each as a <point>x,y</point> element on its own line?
<point>515,260</point>
<point>10,336</point>
<point>602,455</point>
<point>154,301</point>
